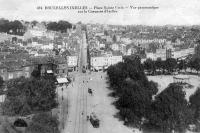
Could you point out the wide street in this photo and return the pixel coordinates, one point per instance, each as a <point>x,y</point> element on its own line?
<point>77,103</point>
<point>81,104</point>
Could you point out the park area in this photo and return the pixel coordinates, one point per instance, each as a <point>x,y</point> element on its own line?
<point>101,102</point>
<point>164,80</point>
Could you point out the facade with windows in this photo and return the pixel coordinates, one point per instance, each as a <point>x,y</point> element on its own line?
<point>11,73</point>
<point>72,62</point>
<point>62,69</point>
<point>103,62</point>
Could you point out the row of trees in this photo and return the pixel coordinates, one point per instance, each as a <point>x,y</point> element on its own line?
<point>61,26</point>
<point>140,105</point>
<point>135,92</point>
<point>12,27</point>
<point>171,65</point>
<point>1,85</point>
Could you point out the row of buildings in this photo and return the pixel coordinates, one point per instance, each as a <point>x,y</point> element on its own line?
<point>11,69</point>
<point>170,53</point>
<point>104,61</point>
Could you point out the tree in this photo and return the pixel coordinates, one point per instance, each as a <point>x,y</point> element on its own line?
<point>195,104</point>
<point>61,26</point>
<point>43,123</point>
<point>150,66</point>
<point>1,85</point>
<point>171,64</point>
<point>35,73</point>
<point>197,50</point>
<point>25,96</point>
<point>134,91</point>
<point>134,101</point>
<point>194,64</point>
<point>12,27</point>
<point>158,64</point>
<point>182,65</point>
<point>170,110</point>
<point>14,99</point>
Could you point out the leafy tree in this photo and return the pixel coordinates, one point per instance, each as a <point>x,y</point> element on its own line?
<point>194,64</point>
<point>197,50</point>
<point>25,96</point>
<point>171,64</point>
<point>1,85</point>
<point>35,73</point>
<point>12,27</point>
<point>150,66</point>
<point>182,65</point>
<point>134,91</point>
<point>158,63</point>
<point>43,123</point>
<point>135,98</point>
<point>194,100</point>
<point>170,110</point>
<point>61,26</point>
<point>191,64</point>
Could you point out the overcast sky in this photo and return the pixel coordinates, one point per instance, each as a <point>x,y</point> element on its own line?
<point>175,12</point>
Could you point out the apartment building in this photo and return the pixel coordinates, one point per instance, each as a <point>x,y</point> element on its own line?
<point>72,62</point>
<point>103,62</point>
<point>8,72</point>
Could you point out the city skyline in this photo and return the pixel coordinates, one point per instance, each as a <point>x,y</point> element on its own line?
<point>172,12</point>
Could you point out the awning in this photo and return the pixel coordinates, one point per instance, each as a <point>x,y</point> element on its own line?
<point>62,80</point>
<point>49,71</point>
